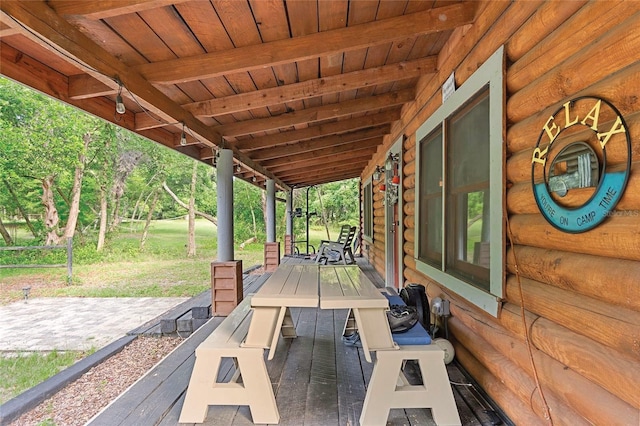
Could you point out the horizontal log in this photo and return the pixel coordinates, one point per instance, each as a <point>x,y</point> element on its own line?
<point>409,195</point>
<point>583,395</point>
<point>498,35</point>
<point>619,88</point>
<point>613,281</point>
<point>408,248</point>
<point>409,235</point>
<point>583,315</point>
<point>616,237</point>
<point>546,19</point>
<point>592,21</point>
<point>409,208</point>
<point>409,182</point>
<point>486,362</point>
<point>598,363</point>
<point>409,222</point>
<point>409,168</point>
<point>624,40</point>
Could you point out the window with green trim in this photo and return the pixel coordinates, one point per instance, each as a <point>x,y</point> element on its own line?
<point>459,183</point>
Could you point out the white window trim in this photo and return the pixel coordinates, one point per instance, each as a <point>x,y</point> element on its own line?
<point>491,73</point>
<point>368,238</point>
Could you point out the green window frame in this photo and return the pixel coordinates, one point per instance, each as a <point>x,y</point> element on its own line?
<point>459,229</point>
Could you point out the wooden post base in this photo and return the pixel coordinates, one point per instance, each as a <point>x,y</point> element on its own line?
<point>226,286</point>
<point>271,256</point>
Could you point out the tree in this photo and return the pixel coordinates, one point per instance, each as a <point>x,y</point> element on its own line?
<point>48,143</point>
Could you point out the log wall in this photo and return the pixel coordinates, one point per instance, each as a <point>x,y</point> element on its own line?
<point>578,294</point>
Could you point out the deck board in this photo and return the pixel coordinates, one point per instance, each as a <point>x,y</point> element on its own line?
<point>316,379</point>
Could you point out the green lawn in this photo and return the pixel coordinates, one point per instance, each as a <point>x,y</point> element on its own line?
<point>21,372</point>
<point>162,269</point>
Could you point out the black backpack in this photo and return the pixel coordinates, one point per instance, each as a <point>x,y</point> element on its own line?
<point>416,295</point>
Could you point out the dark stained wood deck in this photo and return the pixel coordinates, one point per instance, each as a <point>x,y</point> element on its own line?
<point>317,380</point>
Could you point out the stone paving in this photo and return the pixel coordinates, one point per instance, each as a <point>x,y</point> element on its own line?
<point>46,324</point>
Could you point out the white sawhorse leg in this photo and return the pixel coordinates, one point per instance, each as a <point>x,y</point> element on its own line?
<point>254,391</point>
<point>386,392</point>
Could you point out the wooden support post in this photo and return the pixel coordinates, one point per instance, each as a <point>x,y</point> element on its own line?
<point>226,286</point>
<point>271,256</point>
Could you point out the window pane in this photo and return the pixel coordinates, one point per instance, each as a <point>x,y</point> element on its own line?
<point>468,193</point>
<point>430,226</point>
<point>469,144</point>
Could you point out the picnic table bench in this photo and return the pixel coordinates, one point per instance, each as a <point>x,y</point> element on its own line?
<point>255,389</point>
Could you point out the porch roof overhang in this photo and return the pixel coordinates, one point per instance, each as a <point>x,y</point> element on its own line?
<point>302,92</point>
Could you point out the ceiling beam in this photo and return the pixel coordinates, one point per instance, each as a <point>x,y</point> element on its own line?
<point>106,8</point>
<point>310,46</point>
<point>319,180</point>
<point>67,42</point>
<point>310,115</point>
<point>319,143</point>
<point>312,88</point>
<point>311,132</point>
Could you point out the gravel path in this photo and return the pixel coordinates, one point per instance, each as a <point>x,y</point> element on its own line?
<point>80,400</point>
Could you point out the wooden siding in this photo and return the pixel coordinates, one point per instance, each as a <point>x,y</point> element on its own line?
<point>579,293</point>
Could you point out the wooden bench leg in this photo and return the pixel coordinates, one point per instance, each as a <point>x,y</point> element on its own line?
<point>255,390</point>
<point>385,391</point>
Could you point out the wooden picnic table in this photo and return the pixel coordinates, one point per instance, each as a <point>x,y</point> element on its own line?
<point>332,287</point>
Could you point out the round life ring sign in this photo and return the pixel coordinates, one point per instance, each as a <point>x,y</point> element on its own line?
<point>574,185</point>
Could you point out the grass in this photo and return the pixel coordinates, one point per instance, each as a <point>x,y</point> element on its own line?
<point>122,270</point>
<point>21,372</point>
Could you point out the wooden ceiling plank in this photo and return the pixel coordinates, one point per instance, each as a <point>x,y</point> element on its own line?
<point>106,8</point>
<point>318,131</point>
<point>71,43</point>
<point>345,151</point>
<point>316,114</point>
<point>334,167</point>
<point>319,143</point>
<point>309,46</point>
<point>317,87</point>
<point>323,180</point>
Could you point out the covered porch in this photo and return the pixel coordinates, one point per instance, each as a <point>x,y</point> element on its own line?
<point>316,379</point>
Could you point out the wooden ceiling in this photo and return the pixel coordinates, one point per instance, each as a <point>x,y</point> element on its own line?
<point>303,91</point>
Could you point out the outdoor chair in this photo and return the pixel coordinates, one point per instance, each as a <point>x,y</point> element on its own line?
<point>344,232</point>
<point>340,248</point>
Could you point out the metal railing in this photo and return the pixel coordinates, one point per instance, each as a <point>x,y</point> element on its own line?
<point>68,265</point>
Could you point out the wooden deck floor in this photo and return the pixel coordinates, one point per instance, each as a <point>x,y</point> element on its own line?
<point>317,380</point>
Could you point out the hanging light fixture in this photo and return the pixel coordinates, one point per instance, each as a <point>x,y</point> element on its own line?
<point>377,173</point>
<point>238,168</point>
<point>183,136</point>
<point>391,160</point>
<point>120,108</point>
<point>254,179</point>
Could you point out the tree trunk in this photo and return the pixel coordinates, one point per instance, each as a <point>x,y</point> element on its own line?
<point>185,206</point>
<point>5,235</point>
<point>51,218</point>
<point>152,207</point>
<point>24,214</point>
<point>76,190</point>
<point>191,244</point>
<point>103,219</point>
